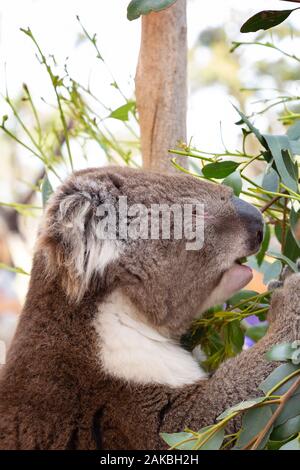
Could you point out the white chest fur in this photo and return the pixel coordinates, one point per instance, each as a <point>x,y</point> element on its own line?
<point>133,351</point>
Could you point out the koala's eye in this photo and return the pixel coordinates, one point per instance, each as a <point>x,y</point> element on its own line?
<point>222,198</point>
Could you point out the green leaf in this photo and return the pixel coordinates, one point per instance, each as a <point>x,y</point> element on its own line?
<point>293,132</point>
<point>122,113</point>
<point>280,148</point>
<point>291,247</point>
<point>47,190</point>
<point>275,445</point>
<point>295,146</point>
<point>292,445</point>
<point>265,19</point>
<point>253,129</point>
<point>287,385</point>
<point>291,410</point>
<point>278,232</point>
<point>265,245</point>
<point>244,405</point>
<point>270,180</point>
<point>256,332</point>
<point>136,8</point>
<point>234,181</point>
<point>253,422</point>
<point>213,443</point>
<point>287,429</point>
<point>219,170</point>
<point>280,373</point>
<point>294,221</point>
<point>283,258</point>
<point>235,335</point>
<point>291,166</point>
<point>272,271</point>
<point>13,269</point>
<point>241,296</point>
<point>280,352</point>
<point>175,438</point>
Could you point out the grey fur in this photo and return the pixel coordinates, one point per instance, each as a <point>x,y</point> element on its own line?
<point>54,394</point>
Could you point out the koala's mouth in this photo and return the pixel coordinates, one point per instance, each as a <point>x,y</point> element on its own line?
<point>237,276</point>
<point>232,280</point>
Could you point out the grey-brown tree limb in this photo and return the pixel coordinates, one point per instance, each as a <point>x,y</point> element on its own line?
<point>161,84</point>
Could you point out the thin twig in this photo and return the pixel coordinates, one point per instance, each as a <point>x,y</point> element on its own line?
<point>272,420</point>
<point>271,202</point>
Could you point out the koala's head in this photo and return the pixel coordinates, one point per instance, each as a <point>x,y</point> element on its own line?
<point>166,278</point>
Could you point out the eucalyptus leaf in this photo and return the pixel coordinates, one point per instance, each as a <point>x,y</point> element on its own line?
<point>122,113</point>
<point>213,443</point>
<point>292,445</point>
<point>283,258</point>
<point>47,190</point>
<point>291,166</point>
<point>290,410</point>
<point>244,405</point>
<point>280,373</point>
<point>287,385</point>
<point>293,132</point>
<point>265,19</point>
<point>265,245</point>
<point>287,429</point>
<point>272,271</point>
<point>271,180</point>
<point>136,8</point>
<point>253,422</point>
<point>176,438</point>
<point>241,296</point>
<point>219,170</point>
<point>295,146</point>
<point>294,223</point>
<point>256,332</point>
<point>235,335</point>
<point>234,181</point>
<point>13,269</point>
<point>291,247</point>
<point>280,148</point>
<point>280,352</point>
<point>278,232</point>
<point>275,445</point>
<point>252,128</point>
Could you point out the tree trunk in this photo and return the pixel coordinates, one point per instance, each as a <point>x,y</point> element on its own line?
<point>161,85</point>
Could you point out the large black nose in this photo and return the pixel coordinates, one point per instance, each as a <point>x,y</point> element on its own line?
<point>252,220</point>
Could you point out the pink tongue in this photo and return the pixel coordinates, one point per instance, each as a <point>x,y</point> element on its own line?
<point>236,278</point>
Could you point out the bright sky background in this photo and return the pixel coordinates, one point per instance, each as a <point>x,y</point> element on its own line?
<point>54,24</point>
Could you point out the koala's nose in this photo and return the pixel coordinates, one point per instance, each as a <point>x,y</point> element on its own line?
<point>252,220</point>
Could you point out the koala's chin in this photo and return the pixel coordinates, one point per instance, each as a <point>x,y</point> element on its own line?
<point>233,280</point>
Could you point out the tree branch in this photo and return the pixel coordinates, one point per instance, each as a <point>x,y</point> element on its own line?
<point>161,85</point>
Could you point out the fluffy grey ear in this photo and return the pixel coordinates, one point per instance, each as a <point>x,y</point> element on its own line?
<point>76,230</point>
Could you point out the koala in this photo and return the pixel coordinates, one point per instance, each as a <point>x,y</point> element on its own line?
<point>96,361</point>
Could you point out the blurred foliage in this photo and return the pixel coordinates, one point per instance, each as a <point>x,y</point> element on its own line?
<point>77,118</point>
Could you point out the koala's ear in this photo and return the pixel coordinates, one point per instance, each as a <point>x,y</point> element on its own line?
<point>73,233</point>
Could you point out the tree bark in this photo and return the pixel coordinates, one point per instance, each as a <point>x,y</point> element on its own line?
<point>161,85</point>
